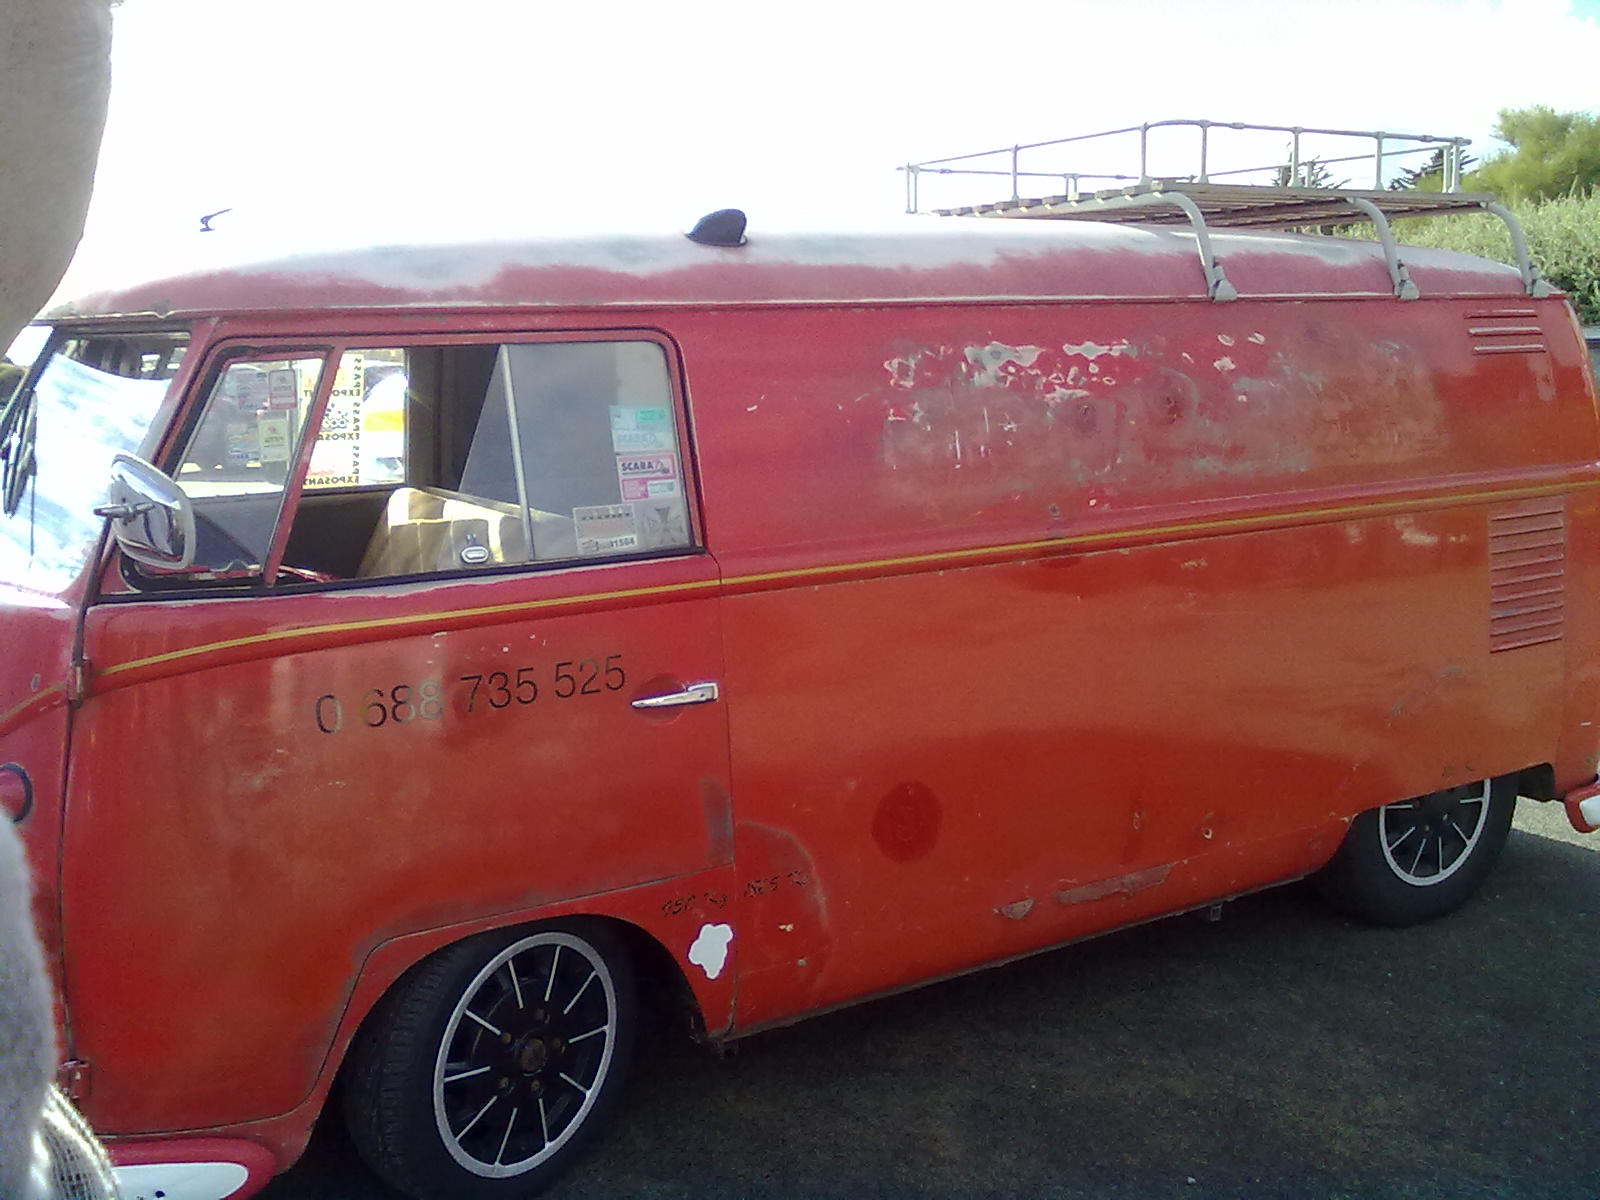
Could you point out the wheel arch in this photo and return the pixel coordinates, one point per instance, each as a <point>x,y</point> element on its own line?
<point>1537,782</point>
<point>672,999</point>
<point>665,987</point>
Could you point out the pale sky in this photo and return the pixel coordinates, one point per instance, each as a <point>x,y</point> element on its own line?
<point>351,121</point>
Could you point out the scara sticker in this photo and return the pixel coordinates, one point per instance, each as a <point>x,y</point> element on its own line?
<point>640,429</point>
<point>647,476</point>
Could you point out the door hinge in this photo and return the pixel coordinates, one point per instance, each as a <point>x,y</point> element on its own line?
<point>77,681</point>
<point>73,1078</point>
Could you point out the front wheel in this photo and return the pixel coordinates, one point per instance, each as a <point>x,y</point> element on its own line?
<point>1420,858</point>
<point>485,1068</point>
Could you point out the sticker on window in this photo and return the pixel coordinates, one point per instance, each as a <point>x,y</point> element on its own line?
<point>638,430</point>
<point>272,433</point>
<point>283,388</point>
<point>605,528</point>
<point>241,442</point>
<point>648,476</point>
<point>661,523</point>
<point>250,388</point>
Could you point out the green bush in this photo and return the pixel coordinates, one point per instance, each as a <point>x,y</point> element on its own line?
<point>1563,238</point>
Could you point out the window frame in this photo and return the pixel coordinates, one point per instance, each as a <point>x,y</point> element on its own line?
<point>224,354</point>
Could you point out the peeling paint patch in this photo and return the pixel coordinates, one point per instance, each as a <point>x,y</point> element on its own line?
<point>709,950</point>
<point>1223,364</point>
<point>989,362</point>
<point>1016,910</point>
<point>1259,339</point>
<point>1093,350</point>
<point>1120,885</point>
<point>1224,339</point>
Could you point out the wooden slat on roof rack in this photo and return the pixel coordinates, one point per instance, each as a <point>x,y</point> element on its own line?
<point>1228,205</point>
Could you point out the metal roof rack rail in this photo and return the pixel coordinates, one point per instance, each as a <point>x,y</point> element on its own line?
<point>1196,199</point>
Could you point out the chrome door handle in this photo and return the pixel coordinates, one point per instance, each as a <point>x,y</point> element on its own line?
<point>695,693</point>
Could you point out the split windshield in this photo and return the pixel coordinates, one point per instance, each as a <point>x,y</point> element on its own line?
<point>94,398</point>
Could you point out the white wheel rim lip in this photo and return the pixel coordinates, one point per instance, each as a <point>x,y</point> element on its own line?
<point>441,1121</point>
<point>1405,874</point>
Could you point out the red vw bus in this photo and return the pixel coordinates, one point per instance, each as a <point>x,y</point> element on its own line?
<point>478,642</point>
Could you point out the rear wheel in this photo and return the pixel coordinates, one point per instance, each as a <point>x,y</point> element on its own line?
<point>485,1069</point>
<point>1420,858</point>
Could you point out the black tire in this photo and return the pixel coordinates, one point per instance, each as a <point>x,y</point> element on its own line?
<point>482,1072</point>
<point>1420,858</point>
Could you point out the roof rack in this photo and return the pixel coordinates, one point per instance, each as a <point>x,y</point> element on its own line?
<point>1197,200</point>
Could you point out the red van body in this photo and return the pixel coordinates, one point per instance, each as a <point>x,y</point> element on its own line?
<point>1040,596</point>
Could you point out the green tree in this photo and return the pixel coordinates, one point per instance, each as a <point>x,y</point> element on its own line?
<point>1552,154</point>
<point>1312,173</point>
<point>1429,177</point>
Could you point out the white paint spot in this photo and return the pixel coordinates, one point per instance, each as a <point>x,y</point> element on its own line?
<point>1242,398</point>
<point>1223,364</point>
<point>1194,564</point>
<point>1108,380</point>
<point>709,951</point>
<point>1094,368</point>
<point>1060,394</point>
<point>1093,350</point>
<point>1224,339</point>
<point>1259,339</point>
<point>788,928</point>
<point>1412,536</point>
<point>751,407</point>
<point>1186,357</point>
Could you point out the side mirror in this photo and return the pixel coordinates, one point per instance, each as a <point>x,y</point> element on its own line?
<point>151,517</point>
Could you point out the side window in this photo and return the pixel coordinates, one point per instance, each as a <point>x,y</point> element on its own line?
<point>238,458</point>
<point>362,439</point>
<point>466,456</point>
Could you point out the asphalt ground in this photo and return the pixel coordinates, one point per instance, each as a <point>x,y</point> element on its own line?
<point>1285,1051</point>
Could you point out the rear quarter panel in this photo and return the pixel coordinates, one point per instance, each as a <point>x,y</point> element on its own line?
<point>1242,592</point>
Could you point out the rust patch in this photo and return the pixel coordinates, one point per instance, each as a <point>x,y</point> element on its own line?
<point>1120,885</point>
<point>906,824</point>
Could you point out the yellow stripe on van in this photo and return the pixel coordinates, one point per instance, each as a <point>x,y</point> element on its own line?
<point>801,575</point>
<point>38,698</point>
<point>306,631</point>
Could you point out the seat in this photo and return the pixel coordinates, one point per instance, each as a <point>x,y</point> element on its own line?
<point>427,530</point>
<point>422,531</point>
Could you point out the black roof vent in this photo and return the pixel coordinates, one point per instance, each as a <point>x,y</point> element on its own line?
<point>725,227</point>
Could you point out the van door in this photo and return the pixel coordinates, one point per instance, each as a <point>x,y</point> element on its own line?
<point>452,654</point>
